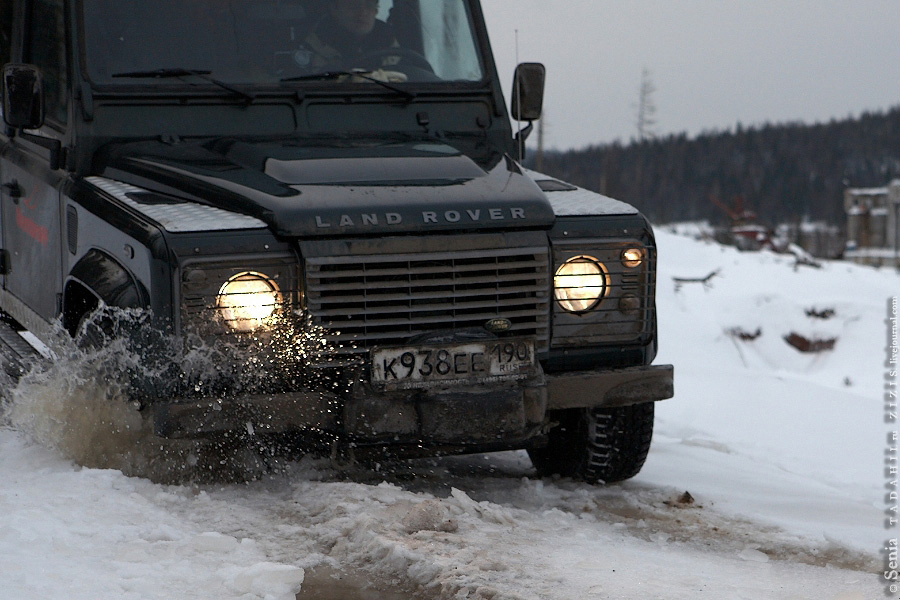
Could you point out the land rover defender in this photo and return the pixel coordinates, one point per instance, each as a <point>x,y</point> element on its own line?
<point>346,226</point>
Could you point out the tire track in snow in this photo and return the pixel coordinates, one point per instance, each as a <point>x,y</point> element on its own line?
<point>314,516</point>
<point>648,513</point>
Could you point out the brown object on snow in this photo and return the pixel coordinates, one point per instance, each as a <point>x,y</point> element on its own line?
<point>745,336</point>
<point>804,344</point>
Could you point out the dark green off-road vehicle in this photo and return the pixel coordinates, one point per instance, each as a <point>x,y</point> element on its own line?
<point>348,233</point>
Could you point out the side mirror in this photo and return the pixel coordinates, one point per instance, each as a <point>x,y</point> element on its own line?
<point>528,92</point>
<point>23,96</point>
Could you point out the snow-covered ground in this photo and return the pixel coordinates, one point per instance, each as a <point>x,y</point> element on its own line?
<point>782,453</point>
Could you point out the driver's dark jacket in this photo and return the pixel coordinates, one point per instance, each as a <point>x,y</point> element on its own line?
<point>330,46</point>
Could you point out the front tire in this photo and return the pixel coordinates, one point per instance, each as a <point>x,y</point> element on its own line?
<point>599,445</point>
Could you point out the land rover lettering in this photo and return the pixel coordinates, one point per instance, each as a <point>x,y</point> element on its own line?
<point>472,215</point>
<point>361,219</point>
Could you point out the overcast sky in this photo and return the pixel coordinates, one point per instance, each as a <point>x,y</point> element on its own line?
<point>714,63</point>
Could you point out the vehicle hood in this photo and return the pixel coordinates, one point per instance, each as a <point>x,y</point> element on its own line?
<point>360,188</point>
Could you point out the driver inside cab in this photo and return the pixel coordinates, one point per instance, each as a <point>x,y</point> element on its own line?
<point>349,36</point>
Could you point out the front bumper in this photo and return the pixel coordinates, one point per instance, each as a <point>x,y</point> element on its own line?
<point>609,388</point>
<point>482,416</point>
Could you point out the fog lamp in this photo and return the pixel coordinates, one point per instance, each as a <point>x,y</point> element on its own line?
<point>580,283</point>
<point>248,300</point>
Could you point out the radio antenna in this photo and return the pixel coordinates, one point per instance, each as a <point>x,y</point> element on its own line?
<point>520,142</point>
<point>517,46</point>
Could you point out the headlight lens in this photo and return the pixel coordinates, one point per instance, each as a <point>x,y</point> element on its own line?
<point>248,300</point>
<point>580,283</point>
<point>633,257</point>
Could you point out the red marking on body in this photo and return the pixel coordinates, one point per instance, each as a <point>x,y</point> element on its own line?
<point>36,232</point>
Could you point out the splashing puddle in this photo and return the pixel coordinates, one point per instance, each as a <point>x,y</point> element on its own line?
<point>327,583</point>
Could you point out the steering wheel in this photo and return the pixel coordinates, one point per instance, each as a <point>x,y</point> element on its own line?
<point>409,59</point>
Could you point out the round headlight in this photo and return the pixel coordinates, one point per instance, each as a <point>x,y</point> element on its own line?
<point>247,300</point>
<point>633,257</point>
<point>580,283</point>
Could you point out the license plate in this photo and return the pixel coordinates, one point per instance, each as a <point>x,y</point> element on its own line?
<point>431,365</point>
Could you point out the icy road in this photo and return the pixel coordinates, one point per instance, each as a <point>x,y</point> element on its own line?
<point>766,479</point>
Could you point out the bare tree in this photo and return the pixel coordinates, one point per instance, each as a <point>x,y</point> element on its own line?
<point>646,109</point>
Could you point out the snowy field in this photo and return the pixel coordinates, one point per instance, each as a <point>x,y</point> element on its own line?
<point>782,455</point>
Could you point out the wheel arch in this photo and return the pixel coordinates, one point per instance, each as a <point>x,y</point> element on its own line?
<point>98,279</point>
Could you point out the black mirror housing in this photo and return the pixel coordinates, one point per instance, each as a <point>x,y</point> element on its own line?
<point>528,92</point>
<point>23,96</point>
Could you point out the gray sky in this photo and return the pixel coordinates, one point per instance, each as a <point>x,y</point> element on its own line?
<point>714,63</point>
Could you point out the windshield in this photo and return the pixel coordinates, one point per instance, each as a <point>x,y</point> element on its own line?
<point>152,42</point>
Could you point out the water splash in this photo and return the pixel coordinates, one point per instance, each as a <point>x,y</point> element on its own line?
<point>85,403</point>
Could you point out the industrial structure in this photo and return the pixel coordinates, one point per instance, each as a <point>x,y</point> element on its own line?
<point>873,235</point>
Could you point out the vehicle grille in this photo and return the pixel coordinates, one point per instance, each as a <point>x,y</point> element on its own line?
<point>386,298</point>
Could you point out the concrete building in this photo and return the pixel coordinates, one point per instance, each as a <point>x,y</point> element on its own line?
<point>816,237</point>
<point>873,234</point>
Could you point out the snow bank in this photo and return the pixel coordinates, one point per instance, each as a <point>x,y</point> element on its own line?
<point>775,420</point>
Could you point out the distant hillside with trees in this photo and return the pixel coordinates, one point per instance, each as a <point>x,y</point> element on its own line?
<point>783,172</point>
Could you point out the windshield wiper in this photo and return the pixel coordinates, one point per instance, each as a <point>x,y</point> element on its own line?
<point>367,75</point>
<point>172,73</point>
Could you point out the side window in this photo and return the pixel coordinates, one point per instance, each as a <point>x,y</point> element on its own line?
<point>47,50</point>
<point>6,17</point>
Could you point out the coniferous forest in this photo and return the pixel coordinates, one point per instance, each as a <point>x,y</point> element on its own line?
<point>784,173</point>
